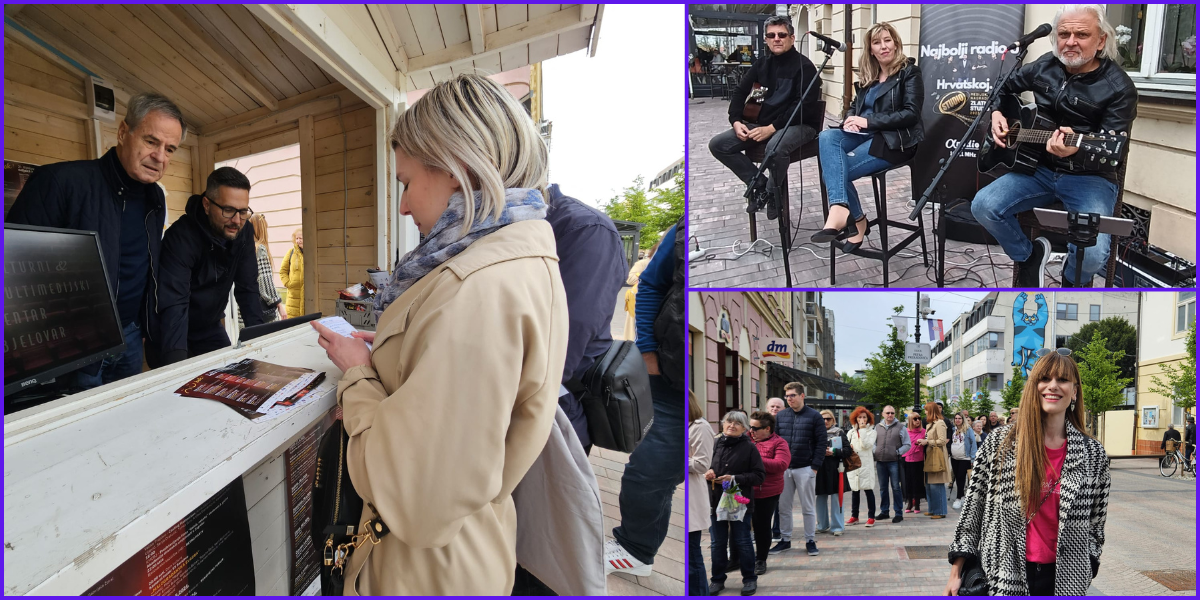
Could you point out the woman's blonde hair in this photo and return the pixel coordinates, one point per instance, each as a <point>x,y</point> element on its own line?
<point>966,424</point>
<point>1027,434</point>
<point>695,409</point>
<point>259,222</point>
<point>914,419</point>
<point>473,129</point>
<point>868,66</point>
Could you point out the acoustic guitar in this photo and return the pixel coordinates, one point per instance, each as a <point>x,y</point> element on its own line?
<point>754,102</point>
<point>1028,133</point>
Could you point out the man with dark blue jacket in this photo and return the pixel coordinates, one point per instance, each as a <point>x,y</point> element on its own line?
<point>804,430</point>
<point>118,197</point>
<point>205,253</point>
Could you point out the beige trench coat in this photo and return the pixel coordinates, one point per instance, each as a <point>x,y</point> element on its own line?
<point>457,405</point>
<point>936,434</point>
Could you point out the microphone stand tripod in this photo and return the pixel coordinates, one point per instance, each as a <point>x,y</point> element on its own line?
<point>940,238</point>
<point>785,238</point>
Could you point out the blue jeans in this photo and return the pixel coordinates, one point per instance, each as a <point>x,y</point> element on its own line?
<point>844,158</point>
<point>655,469</point>
<point>885,472</point>
<point>697,580</point>
<point>829,513</point>
<point>936,493</point>
<point>996,207</point>
<point>114,369</point>
<point>723,534</point>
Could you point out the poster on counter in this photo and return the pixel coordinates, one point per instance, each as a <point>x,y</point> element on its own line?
<point>15,176</point>
<point>301,465</point>
<point>205,554</point>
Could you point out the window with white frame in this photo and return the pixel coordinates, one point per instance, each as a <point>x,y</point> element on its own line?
<point>813,336</point>
<point>1156,43</point>
<point>1185,310</point>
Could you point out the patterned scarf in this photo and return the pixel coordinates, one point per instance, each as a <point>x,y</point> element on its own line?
<point>444,241</point>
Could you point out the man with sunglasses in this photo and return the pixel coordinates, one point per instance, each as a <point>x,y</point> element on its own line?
<point>205,253</point>
<point>783,75</point>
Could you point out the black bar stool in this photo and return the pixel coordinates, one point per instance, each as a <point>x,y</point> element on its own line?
<point>882,223</point>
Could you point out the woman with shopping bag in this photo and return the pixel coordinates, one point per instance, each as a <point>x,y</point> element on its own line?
<point>736,468</point>
<point>862,479</point>
<point>937,471</point>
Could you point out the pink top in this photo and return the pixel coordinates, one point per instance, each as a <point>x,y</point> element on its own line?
<point>1042,534</point>
<point>916,452</point>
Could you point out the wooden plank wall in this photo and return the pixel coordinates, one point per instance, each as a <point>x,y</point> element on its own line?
<point>335,206</point>
<point>275,193</point>
<point>45,120</point>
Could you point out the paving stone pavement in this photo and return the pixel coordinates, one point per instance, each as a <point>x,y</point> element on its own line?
<point>717,220</point>
<point>667,578</point>
<point>1151,526</point>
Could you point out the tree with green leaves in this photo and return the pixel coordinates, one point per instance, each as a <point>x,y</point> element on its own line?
<point>1119,335</point>
<point>1179,381</point>
<point>888,378</point>
<point>1100,378</point>
<point>657,212</point>
<point>1010,396</point>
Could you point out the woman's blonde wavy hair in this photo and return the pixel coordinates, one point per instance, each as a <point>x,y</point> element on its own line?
<point>473,129</point>
<point>868,66</point>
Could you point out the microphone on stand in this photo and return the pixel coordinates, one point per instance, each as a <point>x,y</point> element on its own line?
<point>832,43</point>
<point>1042,31</point>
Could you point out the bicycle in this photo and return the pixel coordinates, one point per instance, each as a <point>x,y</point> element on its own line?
<point>1174,461</point>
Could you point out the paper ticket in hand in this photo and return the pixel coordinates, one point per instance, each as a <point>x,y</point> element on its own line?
<point>341,326</point>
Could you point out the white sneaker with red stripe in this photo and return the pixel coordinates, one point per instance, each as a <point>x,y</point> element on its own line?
<point>618,560</point>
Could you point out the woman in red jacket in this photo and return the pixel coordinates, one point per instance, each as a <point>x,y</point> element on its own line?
<point>775,456</point>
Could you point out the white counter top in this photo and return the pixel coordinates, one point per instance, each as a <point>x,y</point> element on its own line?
<point>91,479</point>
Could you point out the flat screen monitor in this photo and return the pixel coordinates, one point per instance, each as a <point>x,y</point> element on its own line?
<point>59,312</point>
<point>257,331</point>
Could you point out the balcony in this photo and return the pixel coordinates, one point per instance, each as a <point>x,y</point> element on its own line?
<point>812,309</point>
<point>812,353</point>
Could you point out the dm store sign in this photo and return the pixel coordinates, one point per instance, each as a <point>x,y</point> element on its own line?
<point>777,350</point>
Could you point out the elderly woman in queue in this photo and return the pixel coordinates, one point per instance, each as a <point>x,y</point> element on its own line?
<point>477,305</point>
<point>776,455</point>
<point>882,128</point>
<point>862,441</point>
<point>1033,518</point>
<point>734,459</point>
<point>829,499</point>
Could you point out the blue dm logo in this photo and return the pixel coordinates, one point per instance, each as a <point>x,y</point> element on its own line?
<point>1029,331</point>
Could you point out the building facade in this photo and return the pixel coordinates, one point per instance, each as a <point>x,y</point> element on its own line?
<point>726,333</point>
<point>1160,187</point>
<point>1162,337</point>
<point>1005,329</point>
<point>666,176</point>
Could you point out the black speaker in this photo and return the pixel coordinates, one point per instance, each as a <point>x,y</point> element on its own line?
<point>962,226</point>
<point>1153,267</point>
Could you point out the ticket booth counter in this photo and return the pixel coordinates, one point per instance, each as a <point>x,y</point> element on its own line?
<point>93,478</point>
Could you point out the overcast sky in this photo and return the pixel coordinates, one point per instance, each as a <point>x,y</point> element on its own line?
<point>619,114</point>
<point>861,319</point>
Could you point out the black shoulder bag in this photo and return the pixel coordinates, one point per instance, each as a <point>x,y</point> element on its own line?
<point>615,393</point>
<point>973,581</point>
<point>336,510</point>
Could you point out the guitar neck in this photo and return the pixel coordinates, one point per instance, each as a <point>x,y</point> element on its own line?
<point>1041,136</point>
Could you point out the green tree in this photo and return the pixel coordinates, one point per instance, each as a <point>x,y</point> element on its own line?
<point>888,378</point>
<point>1010,396</point>
<point>1180,380</point>
<point>658,212</point>
<point>1120,335</point>
<point>1100,378</point>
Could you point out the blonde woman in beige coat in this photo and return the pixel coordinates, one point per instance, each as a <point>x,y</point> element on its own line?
<point>935,481</point>
<point>457,398</point>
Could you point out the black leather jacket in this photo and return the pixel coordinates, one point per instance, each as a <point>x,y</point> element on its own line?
<point>1100,100</point>
<point>897,108</point>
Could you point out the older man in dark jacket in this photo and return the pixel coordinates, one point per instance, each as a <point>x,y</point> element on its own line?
<point>208,251</point>
<point>118,197</point>
<point>804,430</point>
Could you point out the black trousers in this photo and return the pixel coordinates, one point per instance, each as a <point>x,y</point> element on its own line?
<point>1040,578</point>
<point>960,475</point>
<point>870,504</point>
<point>914,481</point>
<point>729,150</point>
<point>764,511</point>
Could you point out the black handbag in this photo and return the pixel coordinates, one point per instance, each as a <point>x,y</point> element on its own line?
<point>336,510</point>
<point>615,393</point>
<point>972,581</point>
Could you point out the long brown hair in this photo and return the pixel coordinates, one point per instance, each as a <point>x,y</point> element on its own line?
<point>259,222</point>
<point>933,412</point>
<point>1027,434</point>
<point>695,410</point>
<point>868,65</point>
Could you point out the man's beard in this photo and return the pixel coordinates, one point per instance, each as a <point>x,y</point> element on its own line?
<point>1074,63</point>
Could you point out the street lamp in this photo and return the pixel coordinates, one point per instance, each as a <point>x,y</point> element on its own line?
<point>923,312</point>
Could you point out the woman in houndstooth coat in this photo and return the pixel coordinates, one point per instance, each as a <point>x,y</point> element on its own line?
<point>1036,530</point>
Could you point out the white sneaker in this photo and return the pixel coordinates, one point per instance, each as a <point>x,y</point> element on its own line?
<point>957,504</point>
<point>618,560</point>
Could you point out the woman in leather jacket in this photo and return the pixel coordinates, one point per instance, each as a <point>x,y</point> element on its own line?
<point>882,128</point>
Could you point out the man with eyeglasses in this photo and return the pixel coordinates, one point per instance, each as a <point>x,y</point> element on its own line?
<point>205,253</point>
<point>891,443</point>
<point>803,428</point>
<point>118,197</point>
<point>783,75</point>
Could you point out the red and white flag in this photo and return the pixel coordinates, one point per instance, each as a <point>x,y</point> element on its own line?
<point>935,329</point>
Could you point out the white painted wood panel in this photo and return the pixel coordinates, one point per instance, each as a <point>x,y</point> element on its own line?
<point>543,49</point>
<point>404,28</point>
<point>510,15</point>
<point>489,64</point>
<point>453,21</point>
<point>425,22</point>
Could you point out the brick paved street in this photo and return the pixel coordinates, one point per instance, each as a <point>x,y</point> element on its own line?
<point>1151,527</point>
<point>717,217</point>
<point>667,578</point>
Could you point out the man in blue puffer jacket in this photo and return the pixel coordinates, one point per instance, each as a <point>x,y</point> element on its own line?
<point>804,430</point>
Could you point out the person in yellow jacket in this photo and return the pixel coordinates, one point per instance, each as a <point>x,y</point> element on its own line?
<point>291,273</point>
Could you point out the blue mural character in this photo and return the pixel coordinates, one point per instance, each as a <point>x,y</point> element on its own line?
<point>1029,331</point>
